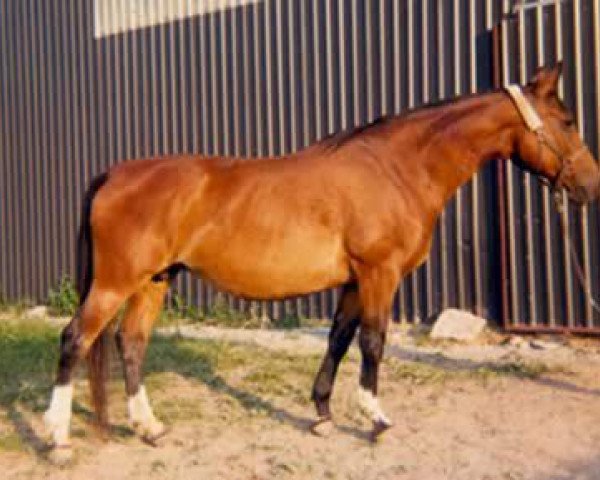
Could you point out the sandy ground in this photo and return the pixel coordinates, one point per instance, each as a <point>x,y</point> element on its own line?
<point>493,411</point>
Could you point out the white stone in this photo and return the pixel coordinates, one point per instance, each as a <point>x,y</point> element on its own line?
<point>538,344</point>
<point>455,324</point>
<point>38,311</point>
<point>518,342</point>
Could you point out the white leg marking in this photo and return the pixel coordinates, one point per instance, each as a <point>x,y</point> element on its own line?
<point>141,416</point>
<point>369,404</point>
<point>58,415</point>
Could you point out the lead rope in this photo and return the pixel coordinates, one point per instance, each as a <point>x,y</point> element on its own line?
<point>560,206</point>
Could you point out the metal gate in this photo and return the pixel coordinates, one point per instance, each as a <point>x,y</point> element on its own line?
<point>540,289</point>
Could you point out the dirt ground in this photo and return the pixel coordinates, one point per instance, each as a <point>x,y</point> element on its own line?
<point>238,406</point>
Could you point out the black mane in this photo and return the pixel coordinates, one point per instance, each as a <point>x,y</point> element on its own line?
<point>338,139</point>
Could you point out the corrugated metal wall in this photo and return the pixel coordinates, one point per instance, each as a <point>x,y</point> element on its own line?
<point>270,77</point>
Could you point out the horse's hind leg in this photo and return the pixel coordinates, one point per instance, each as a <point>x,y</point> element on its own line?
<point>132,340</point>
<point>76,339</point>
<point>342,332</point>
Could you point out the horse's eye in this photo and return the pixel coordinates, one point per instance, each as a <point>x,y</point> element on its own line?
<point>569,122</point>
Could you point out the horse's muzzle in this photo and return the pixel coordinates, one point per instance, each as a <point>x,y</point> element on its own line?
<point>585,191</point>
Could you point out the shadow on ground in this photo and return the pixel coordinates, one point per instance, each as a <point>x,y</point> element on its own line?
<point>577,471</point>
<point>28,359</point>
<point>171,354</point>
<point>500,367</point>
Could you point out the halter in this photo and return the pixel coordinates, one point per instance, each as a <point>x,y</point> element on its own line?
<point>535,124</point>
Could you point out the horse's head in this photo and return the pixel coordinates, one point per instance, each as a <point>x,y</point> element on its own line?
<point>549,143</point>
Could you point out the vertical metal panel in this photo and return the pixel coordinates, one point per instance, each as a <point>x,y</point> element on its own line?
<point>5,194</point>
<point>509,178</point>
<point>583,212</point>
<point>565,247</point>
<point>384,38</point>
<point>4,159</point>
<point>180,124</point>
<point>259,149</point>
<point>120,129</point>
<point>476,217</point>
<point>595,134</point>
<point>459,195</point>
<point>133,89</point>
<point>398,88</point>
<point>74,70</point>
<point>344,99</point>
<point>236,74</point>
<point>550,314</point>
<point>26,150</point>
<point>368,39</point>
<point>194,88</point>
<point>12,68</point>
<point>442,94</point>
<point>425,54</point>
<point>356,70</point>
<point>305,39</point>
<point>596,56</point>
<point>224,85</point>
<point>318,79</point>
<point>47,144</point>
<point>20,147</point>
<point>526,185</point>
<point>269,77</point>
<point>414,276</point>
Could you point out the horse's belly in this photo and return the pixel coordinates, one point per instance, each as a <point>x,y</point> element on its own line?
<point>274,268</point>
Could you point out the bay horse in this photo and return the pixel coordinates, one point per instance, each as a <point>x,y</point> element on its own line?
<point>355,210</point>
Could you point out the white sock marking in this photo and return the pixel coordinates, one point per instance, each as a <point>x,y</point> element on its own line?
<point>140,413</point>
<point>370,405</point>
<point>58,415</point>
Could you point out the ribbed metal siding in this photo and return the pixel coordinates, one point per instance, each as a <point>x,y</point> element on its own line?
<point>268,78</point>
<point>544,291</point>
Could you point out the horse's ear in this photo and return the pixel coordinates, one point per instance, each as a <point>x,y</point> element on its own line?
<point>545,80</point>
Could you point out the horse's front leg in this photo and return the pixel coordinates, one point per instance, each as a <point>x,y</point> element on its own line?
<point>342,332</point>
<point>376,290</point>
<point>372,341</point>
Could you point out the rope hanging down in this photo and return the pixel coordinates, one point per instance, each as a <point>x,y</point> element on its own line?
<point>560,206</point>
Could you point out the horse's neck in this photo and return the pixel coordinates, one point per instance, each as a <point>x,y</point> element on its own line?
<point>453,142</point>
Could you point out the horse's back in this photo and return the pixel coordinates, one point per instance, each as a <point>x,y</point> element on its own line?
<point>267,229</point>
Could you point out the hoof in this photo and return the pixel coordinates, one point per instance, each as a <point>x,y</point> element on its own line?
<point>150,434</point>
<point>61,456</point>
<point>152,440</point>
<point>323,427</point>
<point>379,428</point>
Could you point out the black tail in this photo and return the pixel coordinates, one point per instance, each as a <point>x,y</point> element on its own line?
<point>97,355</point>
<point>85,263</point>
